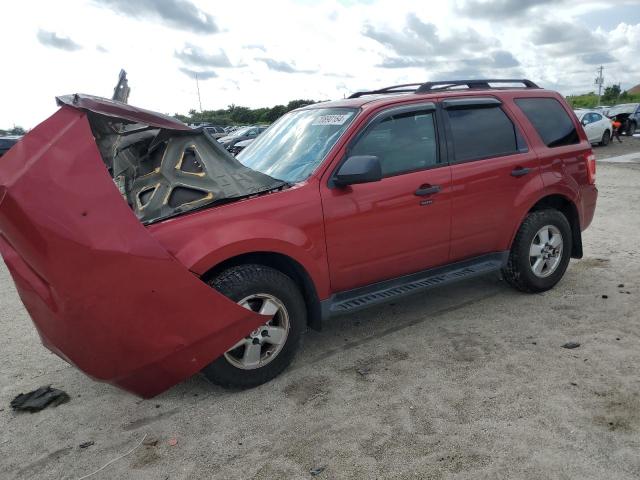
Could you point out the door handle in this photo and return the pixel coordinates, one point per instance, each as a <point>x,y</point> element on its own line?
<point>520,171</point>
<point>425,190</point>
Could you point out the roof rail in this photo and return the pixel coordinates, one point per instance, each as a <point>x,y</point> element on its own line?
<point>392,89</point>
<point>444,85</point>
<point>480,83</point>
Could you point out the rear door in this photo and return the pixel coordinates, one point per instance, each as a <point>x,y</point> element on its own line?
<point>399,225</point>
<point>492,171</point>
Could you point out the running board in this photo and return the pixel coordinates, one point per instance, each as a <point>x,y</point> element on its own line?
<point>383,292</point>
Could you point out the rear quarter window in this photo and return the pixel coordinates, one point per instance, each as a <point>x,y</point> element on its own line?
<point>551,121</point>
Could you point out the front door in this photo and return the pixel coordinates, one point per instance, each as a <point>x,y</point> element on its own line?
<point>399,225</point>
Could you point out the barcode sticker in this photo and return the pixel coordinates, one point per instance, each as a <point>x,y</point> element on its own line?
<point>332,119</point>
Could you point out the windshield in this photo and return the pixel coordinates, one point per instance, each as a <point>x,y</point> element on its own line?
<point>293,147</point>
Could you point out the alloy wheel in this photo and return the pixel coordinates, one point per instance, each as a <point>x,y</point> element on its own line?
<point>545,252</point>
<point>264,343</point>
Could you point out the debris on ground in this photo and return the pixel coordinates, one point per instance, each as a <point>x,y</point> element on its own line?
<point>571,345</point>
<point>150,442</point>
<point>605,296</point>
<point>363,371</point>
<point>87,444</point>
<point>173,442</point>
<point>317,471</point>
<point>39,399</point>
<point>621,285</point>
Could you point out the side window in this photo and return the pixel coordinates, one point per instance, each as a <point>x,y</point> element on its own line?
<point>596,117</point>
<point>550,120</point>
<point>483,132</point>
<point>403,142</point>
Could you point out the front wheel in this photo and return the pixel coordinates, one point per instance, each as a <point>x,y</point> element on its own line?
<point>265,352</point>
<point>631,129</point>
<point>540,252</point>
<point>606,136</point>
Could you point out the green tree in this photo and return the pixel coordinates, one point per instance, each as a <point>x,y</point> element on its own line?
<point>611,93</point>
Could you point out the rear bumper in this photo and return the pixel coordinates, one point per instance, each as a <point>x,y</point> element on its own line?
<point>102,292</point>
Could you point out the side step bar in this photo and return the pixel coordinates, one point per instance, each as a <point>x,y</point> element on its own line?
<point>383,292</point>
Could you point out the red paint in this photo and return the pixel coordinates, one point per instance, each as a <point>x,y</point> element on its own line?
<point>103,294</point>
<point>124,303</point>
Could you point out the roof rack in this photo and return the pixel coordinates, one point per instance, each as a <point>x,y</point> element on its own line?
<point>445,85</point>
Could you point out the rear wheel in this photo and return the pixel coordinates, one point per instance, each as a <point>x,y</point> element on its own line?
<point>631,129</point>
<point>269,349</point>
<point>606,136</point>
<point>540,252</point>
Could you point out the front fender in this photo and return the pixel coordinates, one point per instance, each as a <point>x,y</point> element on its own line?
<point>288,223</point>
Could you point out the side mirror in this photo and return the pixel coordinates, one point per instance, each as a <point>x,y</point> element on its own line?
<point>584,122</point>
<point>358,169</point>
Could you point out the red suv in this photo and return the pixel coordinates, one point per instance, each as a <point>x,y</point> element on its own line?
<point>144,252</point>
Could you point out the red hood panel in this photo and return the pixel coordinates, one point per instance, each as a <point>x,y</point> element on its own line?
<point>100,289</point>
<point>121,111</point>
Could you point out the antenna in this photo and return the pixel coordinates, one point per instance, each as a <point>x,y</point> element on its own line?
<point>198,88</point>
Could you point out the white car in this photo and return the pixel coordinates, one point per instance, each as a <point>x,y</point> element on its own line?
<point>597,127</point>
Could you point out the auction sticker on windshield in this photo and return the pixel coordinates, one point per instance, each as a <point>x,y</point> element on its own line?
<point>332,119</point>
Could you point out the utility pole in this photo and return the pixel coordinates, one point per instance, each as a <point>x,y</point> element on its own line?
<point>599,81</point>
<point>198,88</point>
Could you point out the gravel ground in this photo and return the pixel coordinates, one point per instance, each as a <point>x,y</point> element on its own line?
<point>466,382</point>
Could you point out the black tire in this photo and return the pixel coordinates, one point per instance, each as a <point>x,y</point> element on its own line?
<point>631,129</point>
<point>240,282</point>
<point>518,271</point>
<point>606,137</point>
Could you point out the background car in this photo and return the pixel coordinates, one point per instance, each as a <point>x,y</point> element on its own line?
<point>216,132</point>
<point>597,127</point>
<point>238,147</point>
<point>7,142</point>
<point>628,114</point>
<point>241,134</point>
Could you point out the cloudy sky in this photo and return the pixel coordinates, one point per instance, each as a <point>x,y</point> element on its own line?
<point>261,53</point>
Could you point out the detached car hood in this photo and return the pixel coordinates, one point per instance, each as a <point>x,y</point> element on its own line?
<point>102,292</point>
<point>162,167</point>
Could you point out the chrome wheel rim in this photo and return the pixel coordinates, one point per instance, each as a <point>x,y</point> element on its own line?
<point>264,343</point>
<point>545,252</point>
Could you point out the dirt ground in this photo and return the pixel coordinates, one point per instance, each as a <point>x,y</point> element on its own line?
<point>465,382</point>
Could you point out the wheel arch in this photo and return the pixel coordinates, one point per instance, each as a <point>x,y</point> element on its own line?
<point>284,264</point>
<point>569,209</point>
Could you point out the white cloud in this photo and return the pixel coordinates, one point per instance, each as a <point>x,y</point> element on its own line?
<point>318,47</point>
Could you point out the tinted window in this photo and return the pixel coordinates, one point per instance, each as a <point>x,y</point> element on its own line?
<point>403,142</point>
<point>596,117</point>
<point>550,120</point>
<point>482,133</point>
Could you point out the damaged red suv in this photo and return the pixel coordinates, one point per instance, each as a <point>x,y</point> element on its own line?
<point>144,252</point>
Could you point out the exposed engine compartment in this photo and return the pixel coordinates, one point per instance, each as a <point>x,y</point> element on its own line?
<point>165,172</point>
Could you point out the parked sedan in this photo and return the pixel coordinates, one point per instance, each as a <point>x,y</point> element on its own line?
<point>7,142</point>
<point>216,132</point>
<point>242,134</point>
<point>597,127</point>
<point>238,147</point>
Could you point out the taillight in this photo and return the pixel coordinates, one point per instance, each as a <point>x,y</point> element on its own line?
<point>591,168</point>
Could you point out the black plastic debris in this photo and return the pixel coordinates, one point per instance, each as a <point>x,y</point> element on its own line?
<point>39,399</point>
<point>87,444</point>
<point>317,471</point>
<point>571,345</point>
